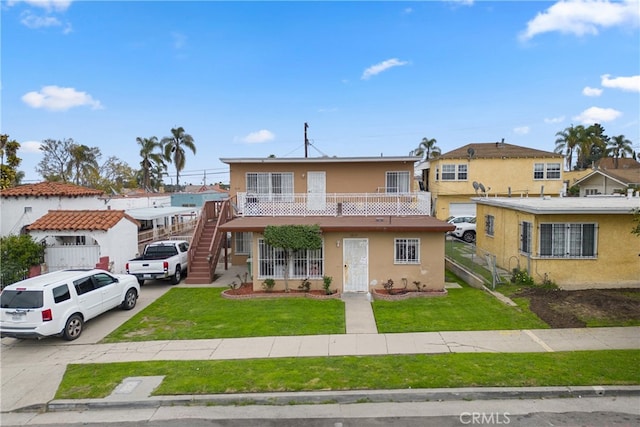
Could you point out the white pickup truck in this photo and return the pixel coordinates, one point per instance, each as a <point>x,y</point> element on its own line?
<point>167,259</point>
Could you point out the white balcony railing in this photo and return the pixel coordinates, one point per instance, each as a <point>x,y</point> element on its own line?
<point>334,204</point>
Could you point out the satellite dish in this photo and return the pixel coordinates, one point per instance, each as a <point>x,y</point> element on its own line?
<point>471,152</point>
<point>476,186</point>
<point>481,187</point>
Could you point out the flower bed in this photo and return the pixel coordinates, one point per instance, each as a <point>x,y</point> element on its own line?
<point>245,291</point>
<point>401,294</point>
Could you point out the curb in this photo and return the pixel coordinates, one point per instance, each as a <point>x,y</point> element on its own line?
<point>346,397</point>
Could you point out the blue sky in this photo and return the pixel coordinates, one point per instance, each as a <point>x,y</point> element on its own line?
<point>369,78</point>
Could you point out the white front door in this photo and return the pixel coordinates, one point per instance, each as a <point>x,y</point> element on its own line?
<point>316,189</point>
<point>355,256</point>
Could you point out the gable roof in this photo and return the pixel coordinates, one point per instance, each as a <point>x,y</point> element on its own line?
<point>623,176</point>
<point>50,189</point>
<point>78,220</point>
<point>496,150</point>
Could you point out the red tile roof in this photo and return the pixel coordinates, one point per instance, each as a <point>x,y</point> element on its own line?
<point>70,220</point>
<point>496,150</point>
<point>49,189</point>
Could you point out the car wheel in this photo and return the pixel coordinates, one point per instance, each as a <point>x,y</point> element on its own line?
<point>177,276</point>
<point>469,236</point>
<point>130,299</point>
<point>73,327</point>
<point>140,282</point>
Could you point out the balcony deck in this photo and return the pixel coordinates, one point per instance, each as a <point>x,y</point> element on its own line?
<point>334,204</point>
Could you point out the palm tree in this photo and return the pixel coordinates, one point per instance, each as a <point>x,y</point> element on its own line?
<point>591,146</point>
<point>619,146</point>
<point>568,142</point>
<point>150,158</point>
<point>428,149</point>
<point>83,162</point>
<point>174,149</point>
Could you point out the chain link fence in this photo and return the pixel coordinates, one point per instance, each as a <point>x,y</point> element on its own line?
<point>480,263</point>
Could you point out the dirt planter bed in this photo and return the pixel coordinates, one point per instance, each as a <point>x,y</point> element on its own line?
<point>246,292</point>
<point>383,295</point>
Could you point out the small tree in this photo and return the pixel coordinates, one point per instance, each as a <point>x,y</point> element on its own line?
<point>291,238</point>
<point>19,253</point>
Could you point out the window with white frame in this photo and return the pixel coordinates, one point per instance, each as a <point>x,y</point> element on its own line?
<point>525,237</point>
<point>407,251</point>
<point>455,172</point>
<point>559,240</point>
<point>242,243</point>
<point>398,182</point>
<point>306,263</point>
<point>546,171</point>
<point>448,172</point>
<point>270,186</point>
<point>489,221</point>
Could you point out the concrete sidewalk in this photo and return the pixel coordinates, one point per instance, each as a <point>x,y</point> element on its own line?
<point>32,370</point>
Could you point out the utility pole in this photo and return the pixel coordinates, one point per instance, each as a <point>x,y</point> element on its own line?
<point>306,141</point>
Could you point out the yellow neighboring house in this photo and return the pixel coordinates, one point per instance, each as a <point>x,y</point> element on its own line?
<point>374,226</point>
<point>575,242</point>
<point>494,169</point>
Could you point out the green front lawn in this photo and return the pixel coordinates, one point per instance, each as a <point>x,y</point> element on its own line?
<point>580,368</point>
<point>200,313</point>
<point>464,309</point>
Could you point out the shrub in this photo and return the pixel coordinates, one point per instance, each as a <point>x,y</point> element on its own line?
<point>419,286</point>
<point>521,277</point>
<point>305,285</point>
<point>326,284</point>
<point>268,284</point>
<point>388,286</point>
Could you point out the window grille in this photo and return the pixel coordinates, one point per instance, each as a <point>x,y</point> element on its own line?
<point>407,251</point>
<point>568,240</point>
<point>525,237</point>
<point>489,224</point>
<point>304,263</point>
<point>242,243</point>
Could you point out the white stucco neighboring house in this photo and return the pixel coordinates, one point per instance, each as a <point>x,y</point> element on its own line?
<point>80,238</point>
<point>24,204</point>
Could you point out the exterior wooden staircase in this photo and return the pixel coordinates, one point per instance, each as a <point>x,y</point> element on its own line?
<point>208,241</point>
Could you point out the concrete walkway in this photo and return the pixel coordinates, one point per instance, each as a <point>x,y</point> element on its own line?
<point>32,370</point>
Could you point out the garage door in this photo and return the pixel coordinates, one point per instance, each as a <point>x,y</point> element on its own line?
<point>462,209</point>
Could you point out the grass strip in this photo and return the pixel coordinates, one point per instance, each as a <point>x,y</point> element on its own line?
<point>202,313</point>
<point>580,368</point>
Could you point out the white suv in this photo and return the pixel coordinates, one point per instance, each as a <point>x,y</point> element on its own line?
<point>59,303</point>
<point>465,227</point>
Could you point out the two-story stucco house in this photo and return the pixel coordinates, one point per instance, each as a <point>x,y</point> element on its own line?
<point>494,168</point>
<point>575,242</point>
<point>374,226</point>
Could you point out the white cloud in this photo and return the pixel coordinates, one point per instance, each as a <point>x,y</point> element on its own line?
<point>629,84</point>
<point>407,11</point>
<point>554,120</point>
<point>582,17</point>
<point>30,146</point>
<point>259,137</point>
<point>597,115</point>
<point>55,98</point>
<point>32,21</point>
<point>48,5</point>
<point>521,130</point>
<point>591,91</point>
<point>179,40</point>
<point>382,66</point>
